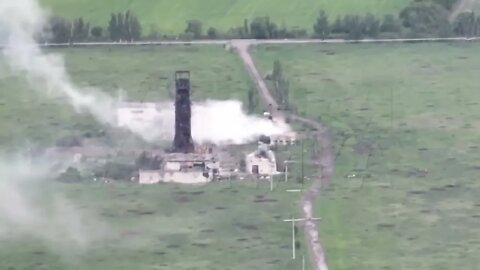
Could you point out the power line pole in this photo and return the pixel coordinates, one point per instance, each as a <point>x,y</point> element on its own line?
<point>303,163</point>
<point>293,220</point>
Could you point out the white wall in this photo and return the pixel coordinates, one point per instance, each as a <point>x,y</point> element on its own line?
<point>149,177</point>
<point>265,166</point>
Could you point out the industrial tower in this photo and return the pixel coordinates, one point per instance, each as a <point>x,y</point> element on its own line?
<point>183,142</point>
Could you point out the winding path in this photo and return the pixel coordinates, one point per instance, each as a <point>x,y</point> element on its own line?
<point>325,157</point>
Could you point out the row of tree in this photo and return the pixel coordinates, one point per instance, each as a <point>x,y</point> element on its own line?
<point>122,26</point>
<point>281,86</point>
<point>419,19</point>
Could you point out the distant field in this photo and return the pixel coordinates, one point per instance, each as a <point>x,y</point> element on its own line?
<point>141,73</point>
<point>170,15</point>
<point>413,108</point>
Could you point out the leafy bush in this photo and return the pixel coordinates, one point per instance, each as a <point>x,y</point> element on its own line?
<point>71,175</point>
<point>426,18</point>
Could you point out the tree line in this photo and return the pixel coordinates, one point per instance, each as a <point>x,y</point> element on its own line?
<point>123,26</point>
<point>421,18</point>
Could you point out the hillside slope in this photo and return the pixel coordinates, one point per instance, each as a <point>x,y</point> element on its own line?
<point>170,15</point>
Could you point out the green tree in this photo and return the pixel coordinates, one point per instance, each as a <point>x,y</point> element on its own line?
<point>113,28</point>
<point>371,25</point>
<point>71,175</point>
<point>354,27</point>
<point>118,171</point>
<point>246,29</point>
<point>426,18</point>
<point>126,30</point>
<point>120,26</point>
<point>80,30</point>
<point>212,33</point>
<point>135,28</point>
<point>97,32</point>
<point>390,24</point>
<point>465,24</point>
<point>338,27</point>
<point>281,85</point>
<point>61,30</point>
<point>263,28</point>
<point>195,28</point>
<point>321,28</point>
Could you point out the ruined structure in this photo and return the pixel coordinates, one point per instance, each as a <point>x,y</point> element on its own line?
<point>262,162</point>
<point>183,142</point>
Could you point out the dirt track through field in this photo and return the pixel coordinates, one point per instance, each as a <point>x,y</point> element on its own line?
<point>325,158</point>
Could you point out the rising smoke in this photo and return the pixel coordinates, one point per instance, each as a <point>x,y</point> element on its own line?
<point>20,22</point>
<point>213,121</point>
<point>62,223</point>
<point>58,223</point>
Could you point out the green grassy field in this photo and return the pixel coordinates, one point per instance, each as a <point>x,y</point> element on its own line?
<point>406,121</point>
<point>170,16</point>
<point>218,226</point>
<point>141,73</point>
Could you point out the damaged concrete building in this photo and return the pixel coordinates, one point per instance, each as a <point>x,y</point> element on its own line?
<point>186,162</point>
<point>262,162</point>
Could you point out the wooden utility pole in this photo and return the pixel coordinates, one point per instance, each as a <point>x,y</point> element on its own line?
<point>293,220</point>
<point>303,161</point>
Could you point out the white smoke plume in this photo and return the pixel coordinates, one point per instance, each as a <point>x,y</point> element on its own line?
<point>20,22</point>
<point>56,222</point>
<point>219,122</point>
<point>212,121</point>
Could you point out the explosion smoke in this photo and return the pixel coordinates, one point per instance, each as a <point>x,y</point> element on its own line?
<point>213,121</point>
<point>58,223</point>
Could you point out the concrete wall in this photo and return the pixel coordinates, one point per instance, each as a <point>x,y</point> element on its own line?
<point>149,177</point>
<point>265,166</point>
<point>155,177</point>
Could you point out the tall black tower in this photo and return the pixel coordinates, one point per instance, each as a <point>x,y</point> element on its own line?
<point>183,142</point>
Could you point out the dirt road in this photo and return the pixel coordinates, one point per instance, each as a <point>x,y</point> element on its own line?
<point>325,157</point>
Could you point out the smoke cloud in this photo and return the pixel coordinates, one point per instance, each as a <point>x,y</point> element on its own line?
<point>219,122</point>
<point>212,121</point>
<point>57,222</point>
<point>20,22</point>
